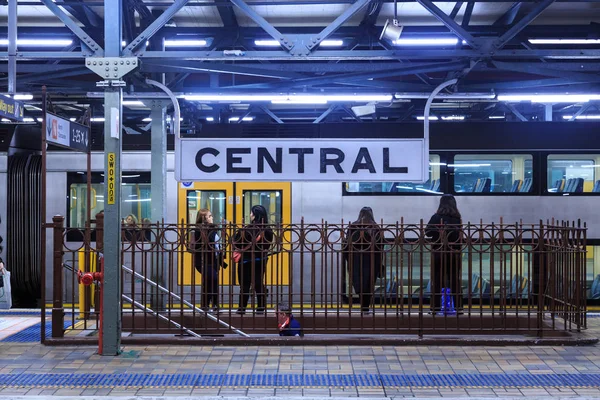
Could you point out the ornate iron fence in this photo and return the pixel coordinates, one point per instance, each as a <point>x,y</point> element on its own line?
<point>398,278</point>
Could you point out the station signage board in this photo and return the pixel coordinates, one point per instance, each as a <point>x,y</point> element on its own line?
<point>11,109</point>
<point>65,133</point>
<point>405,160</point>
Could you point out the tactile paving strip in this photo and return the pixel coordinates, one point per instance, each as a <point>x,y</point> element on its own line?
<point>299,381</point>
<point>32,334</point>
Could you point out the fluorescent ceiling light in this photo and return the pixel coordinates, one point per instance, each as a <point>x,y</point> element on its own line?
<point>437,163</point>
<point>133,103</point>
<point>496,117</point>
<point>431,118</point>
<point>39,42</point>
<point>290,99</point>
<point>550,98</point>
<point>72,119</point>
<point>235,119</point>
<point>301,100</point>
<point>564,41</point>
<point>426,41</point>
<point>469,165</point>
<point>23,97</point>
<point>38,119</point>
<point>185,43</point>
<point>274,43</point>
<point>454,118</point>
<point>99,119</point>
<point>457,96</point>
<point>27,119</point>
<point>582,117</point>
<point>210,119</point>
<point>147,119</point>
<point>5,120</point>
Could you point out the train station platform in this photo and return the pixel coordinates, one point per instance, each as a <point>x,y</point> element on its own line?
<point>28,368</point>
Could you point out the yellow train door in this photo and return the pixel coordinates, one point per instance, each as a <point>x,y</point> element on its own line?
<point>232,202</point>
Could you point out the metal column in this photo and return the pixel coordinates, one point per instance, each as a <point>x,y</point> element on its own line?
<point>113,97</point>
<point>158,160</point>
<point>12,46</point>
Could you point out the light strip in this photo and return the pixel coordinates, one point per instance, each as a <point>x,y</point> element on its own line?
<point>133,103</point>
<point>454,118</point>
<point>209,119</point>
<point>550,98</point>
<point>469,165</point>
<point>431,118</point>
<point>23,97</point>
<point>564,41</point>
<point>426,41</point>
<point>99,119</point>
<point>456,96</point>
<point>582,117</point>
<point>292,98</point>
<point>185,43</point>
<point>236,119</point>
<point>274,43</point>
<point>496,117</point>
<point>39,42</point>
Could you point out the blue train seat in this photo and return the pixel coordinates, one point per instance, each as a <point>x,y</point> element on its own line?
<point>516,186</point>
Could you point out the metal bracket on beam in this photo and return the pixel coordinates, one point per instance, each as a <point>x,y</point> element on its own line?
<point>112,68</point>
<point>111,83</point>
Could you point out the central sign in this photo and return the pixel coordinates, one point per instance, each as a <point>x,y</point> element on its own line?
<point>403,160</point>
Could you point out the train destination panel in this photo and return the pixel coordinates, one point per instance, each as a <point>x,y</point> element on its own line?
<point>302,160</point>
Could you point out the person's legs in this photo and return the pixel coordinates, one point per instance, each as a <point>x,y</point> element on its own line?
<point>244,280</point>
<point>259,285</point>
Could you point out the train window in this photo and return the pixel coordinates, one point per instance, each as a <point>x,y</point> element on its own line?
<point>431,186</point>
<point>135,197</point>
<point>270,199</point>
<point>492,173</point>
<point>573,173</point>
<point>214,200</point>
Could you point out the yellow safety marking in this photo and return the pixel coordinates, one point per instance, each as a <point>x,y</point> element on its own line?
<point>111,178</point>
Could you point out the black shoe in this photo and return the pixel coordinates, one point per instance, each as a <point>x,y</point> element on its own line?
<point>260,310</point>
<point>240,311</point>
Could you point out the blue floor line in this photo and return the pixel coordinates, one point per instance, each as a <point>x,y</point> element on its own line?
<point>33,333</point>
<point>298,380</point>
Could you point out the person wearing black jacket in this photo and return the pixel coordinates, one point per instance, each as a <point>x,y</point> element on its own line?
<point>208,257</point>
<point>363,253</point>
<point>251,248</point>
<point>444,230</point>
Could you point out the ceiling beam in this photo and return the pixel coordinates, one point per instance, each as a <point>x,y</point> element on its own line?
<point>456,9</point>
<point>522,24</point>
<point>86,40</point>
<point>449,22</point>
<point>468,12</point>
<point>140,41</point>
<point>509,16</point>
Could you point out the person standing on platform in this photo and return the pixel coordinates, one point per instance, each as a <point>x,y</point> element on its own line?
<point>208,258</point>
<point>251,253</point>
<point>444,229</point>
<point>363,253</point>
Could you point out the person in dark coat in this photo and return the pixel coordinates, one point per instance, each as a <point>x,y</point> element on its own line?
<point>208,257</point>
<point>287,324</point>
<point>363,253</point>
<point>444,229</point>
<point>251,248</point>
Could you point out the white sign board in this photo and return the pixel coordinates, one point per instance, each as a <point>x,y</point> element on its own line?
<point>402,160</point>
<point>58,130</point>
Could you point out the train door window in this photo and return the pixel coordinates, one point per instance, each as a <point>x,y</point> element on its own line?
<point>573,173</point>
<point>431,186</point>
<point>492,173</point>
<point>270,199</point>
<point>214,200</point>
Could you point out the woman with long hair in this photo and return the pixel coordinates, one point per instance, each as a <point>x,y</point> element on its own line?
<point>444,230</point>
<point>363,253</point>
<point>208,257</point>
<point>251,248</point>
